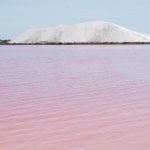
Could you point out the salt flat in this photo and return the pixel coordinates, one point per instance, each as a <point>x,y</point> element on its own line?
<point>75,97</point>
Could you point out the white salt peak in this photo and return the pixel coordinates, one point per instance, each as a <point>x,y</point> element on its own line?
<point>89,32</point>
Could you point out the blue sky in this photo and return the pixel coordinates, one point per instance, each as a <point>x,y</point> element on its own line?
<point>16,16</point>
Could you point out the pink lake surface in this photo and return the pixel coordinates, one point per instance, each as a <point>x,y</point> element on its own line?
<point>75,97</point>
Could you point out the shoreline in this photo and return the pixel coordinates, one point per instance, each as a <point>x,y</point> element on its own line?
<point>105,43</point>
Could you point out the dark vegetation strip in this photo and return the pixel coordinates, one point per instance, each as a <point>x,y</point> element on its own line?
<point>6,42</point>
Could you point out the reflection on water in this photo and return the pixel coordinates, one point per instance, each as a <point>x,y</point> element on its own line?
<point>75,97</point>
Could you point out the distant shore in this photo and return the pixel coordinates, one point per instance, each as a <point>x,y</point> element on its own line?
<point>105,43</point>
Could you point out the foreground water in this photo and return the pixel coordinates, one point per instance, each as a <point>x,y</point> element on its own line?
<point>75,97</point>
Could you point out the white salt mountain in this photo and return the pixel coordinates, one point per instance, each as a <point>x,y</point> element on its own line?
<point>90,32</point>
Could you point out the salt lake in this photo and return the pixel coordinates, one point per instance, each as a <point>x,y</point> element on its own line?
<point>75,97</point>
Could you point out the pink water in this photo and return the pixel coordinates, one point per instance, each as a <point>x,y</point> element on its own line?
<point>75,97</point>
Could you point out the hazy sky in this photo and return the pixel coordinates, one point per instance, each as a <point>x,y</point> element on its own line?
<point>16,16</point>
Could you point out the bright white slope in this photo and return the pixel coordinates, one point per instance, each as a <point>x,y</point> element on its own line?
<point>97,32</point>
